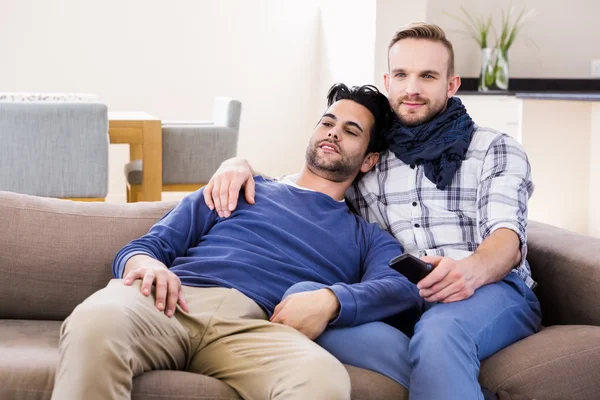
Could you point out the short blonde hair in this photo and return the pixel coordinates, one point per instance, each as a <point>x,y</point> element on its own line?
<point>423,30</point>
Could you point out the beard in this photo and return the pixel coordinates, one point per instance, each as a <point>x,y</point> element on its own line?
<point>424,114</point>
<point>337,170</point>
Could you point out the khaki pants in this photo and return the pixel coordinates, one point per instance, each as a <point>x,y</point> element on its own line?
<point>117,334</point>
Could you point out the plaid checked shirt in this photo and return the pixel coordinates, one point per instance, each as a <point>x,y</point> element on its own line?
<point>489,191</point>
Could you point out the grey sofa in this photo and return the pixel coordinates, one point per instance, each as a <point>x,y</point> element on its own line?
<point>55,253</point>
<point>54,148</point>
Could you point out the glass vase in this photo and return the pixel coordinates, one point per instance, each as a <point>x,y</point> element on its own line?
<point>494,70</point>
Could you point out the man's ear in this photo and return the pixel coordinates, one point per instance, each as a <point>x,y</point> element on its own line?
<point>453,85</point>
<point>386,82</point>
<point>369,162</point>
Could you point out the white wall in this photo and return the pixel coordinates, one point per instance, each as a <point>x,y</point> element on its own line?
<point>559,42</point>
<point>355,36</point>
<point>594,224</point>
<point>391,16</point>
<point>171,59</point>
<point>347,41</point>
<point>556,136</point>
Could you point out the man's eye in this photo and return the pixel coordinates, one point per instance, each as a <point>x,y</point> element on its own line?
<point>351,132</point>
<point>400,75</point>
<point>427,76</point>
<point>327,124</point>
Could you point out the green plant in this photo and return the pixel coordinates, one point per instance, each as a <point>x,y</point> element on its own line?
<point>478,27</point>
<point>509,31</point>
<point>494,71</point>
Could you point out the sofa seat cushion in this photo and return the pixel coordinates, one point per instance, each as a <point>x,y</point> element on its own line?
<point>29,353</point>
<point>561,362</point>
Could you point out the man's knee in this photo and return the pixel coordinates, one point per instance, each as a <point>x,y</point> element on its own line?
<point>435,334</point>
<point>324,377</point>
<point>94,323</point>
<point>306,286</point>
<point>105,314</point>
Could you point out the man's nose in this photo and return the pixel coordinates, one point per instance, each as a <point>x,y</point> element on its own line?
<point>412,87</point>
<point>333,133</point>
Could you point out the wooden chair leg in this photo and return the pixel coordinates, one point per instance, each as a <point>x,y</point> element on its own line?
<point>135,193</point>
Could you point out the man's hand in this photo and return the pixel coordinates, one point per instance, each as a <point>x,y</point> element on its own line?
<point>307,312</point>
<point>449,281</point>
<point>224,187</point>
<point>453,280</point>
<point>168,285</point>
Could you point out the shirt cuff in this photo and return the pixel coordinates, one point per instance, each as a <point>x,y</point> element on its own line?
<point>513,227</point>
<point>348,308</point>
<point>123,260</point>
<point>522,237</point>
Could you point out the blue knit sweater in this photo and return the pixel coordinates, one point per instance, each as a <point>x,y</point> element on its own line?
<point>290,235</point>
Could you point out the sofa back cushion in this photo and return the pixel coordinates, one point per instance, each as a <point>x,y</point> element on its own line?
<point>55,253</point>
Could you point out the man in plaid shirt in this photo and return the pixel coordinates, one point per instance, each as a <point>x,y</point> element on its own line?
<point>454,194</point>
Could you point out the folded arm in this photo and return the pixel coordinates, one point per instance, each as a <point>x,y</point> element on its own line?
<point>382,292</point>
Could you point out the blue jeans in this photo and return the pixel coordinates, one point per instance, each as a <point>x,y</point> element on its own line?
<point>442,359</point>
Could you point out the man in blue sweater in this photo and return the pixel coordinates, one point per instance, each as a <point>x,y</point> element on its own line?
<point>219,283</point>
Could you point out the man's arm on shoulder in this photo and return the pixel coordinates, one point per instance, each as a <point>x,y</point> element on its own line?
<point>222,191</point>
<point>502,197</point>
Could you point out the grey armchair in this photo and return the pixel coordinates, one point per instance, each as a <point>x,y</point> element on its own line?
<point>192,150</point>
<point>54,148</point>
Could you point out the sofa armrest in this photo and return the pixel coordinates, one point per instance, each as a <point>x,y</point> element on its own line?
<point>566,266</point>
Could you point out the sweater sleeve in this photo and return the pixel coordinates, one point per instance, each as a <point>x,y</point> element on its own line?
<point>172,236</point>
<point>382,292</point>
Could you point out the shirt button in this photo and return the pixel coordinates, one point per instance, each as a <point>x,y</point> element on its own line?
<point>424,253</point>
<point>414,203</point>
<point>412,166</point>
<point>417,226</point>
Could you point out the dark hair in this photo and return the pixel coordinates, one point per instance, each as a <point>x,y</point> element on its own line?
<point>373,100</point>
<point>423,30</point>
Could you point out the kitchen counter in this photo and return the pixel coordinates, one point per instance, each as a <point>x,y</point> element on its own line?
<point>543,89</point>
<point>560,96</point>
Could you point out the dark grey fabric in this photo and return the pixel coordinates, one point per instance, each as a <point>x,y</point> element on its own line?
<point>54,149</point>
<point>133,172</point>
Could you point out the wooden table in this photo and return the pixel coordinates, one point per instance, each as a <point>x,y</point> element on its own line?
<point>143,133</point>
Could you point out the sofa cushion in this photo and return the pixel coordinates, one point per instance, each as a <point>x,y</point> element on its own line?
<point>29,353</point>
<point>558,363</point>
<point>55,253</point>
<point>566,266</point>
